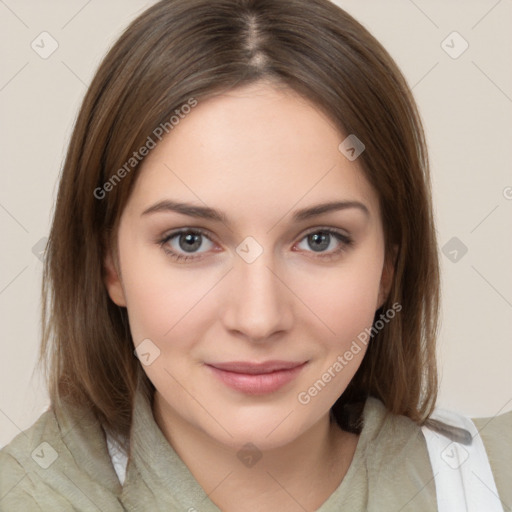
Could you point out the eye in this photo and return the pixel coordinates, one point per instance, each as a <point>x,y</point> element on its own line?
<point>326,242</point>
<point>182,245</point>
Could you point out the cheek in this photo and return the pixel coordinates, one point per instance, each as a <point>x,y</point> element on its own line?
<point>347,307</point>
<point>344,299</point>
<point>159,299</point>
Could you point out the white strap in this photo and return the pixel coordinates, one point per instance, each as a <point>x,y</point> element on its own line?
<point>463,476</point>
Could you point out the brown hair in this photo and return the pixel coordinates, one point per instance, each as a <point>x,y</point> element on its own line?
<point>182,49</point>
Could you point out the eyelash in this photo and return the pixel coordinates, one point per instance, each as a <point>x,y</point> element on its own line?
<point>345,240</point>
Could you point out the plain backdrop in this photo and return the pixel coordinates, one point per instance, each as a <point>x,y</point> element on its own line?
<point>465,99</point>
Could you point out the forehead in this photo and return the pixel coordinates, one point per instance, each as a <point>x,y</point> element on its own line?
<point>259,147</point>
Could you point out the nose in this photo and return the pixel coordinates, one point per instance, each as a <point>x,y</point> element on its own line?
<point>259,304</point>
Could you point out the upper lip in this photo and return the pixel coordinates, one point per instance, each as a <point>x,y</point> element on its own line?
<point>256,368</point>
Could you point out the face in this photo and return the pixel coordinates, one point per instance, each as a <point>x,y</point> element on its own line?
<point>240,295</point>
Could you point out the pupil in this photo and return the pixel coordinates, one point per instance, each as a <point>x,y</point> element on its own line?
<point>320,241</point>
<point>192,242</point>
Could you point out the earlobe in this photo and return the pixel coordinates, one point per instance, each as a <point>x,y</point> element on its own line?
<point>113,281</point>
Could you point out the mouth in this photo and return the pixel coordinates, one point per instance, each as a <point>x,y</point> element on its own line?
<point>256,378</point>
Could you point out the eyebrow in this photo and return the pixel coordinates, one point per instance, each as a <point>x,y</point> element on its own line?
<point>204,212</point>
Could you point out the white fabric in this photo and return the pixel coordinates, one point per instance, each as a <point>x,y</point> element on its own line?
<point>119,458</point>
<point>463,475</point>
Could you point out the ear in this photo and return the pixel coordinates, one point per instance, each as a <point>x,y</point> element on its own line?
<point>112,280</point>
<point>388,273</point>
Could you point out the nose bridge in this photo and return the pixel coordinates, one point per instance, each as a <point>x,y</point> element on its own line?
<point>259,304</point>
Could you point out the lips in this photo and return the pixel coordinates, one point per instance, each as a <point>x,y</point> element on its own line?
<point>256,368</point>
<point>256,378</point>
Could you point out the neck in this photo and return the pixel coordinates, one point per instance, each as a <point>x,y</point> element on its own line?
<point>302,473</point>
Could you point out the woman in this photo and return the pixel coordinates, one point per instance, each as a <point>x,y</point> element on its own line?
<point>241,282</point>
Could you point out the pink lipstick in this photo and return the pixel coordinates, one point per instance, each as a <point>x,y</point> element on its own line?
<point>256,378</point>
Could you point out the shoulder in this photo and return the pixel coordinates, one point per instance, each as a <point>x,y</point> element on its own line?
<point>59,463</point>
<point>496,430</point>
<point>17,464</point>
<point>396,450</point>
<point>496,434</point>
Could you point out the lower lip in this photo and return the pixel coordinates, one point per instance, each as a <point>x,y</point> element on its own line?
<point>259,384</point>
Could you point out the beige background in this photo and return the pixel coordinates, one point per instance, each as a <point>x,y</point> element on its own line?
<point>466,104</point>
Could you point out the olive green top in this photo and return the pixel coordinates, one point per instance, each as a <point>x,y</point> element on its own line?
<point>61,463</point>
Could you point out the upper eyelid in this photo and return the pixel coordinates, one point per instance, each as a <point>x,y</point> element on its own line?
<point>327,228</point>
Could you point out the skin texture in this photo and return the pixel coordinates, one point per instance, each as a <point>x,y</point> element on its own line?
<point>257,153</point>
